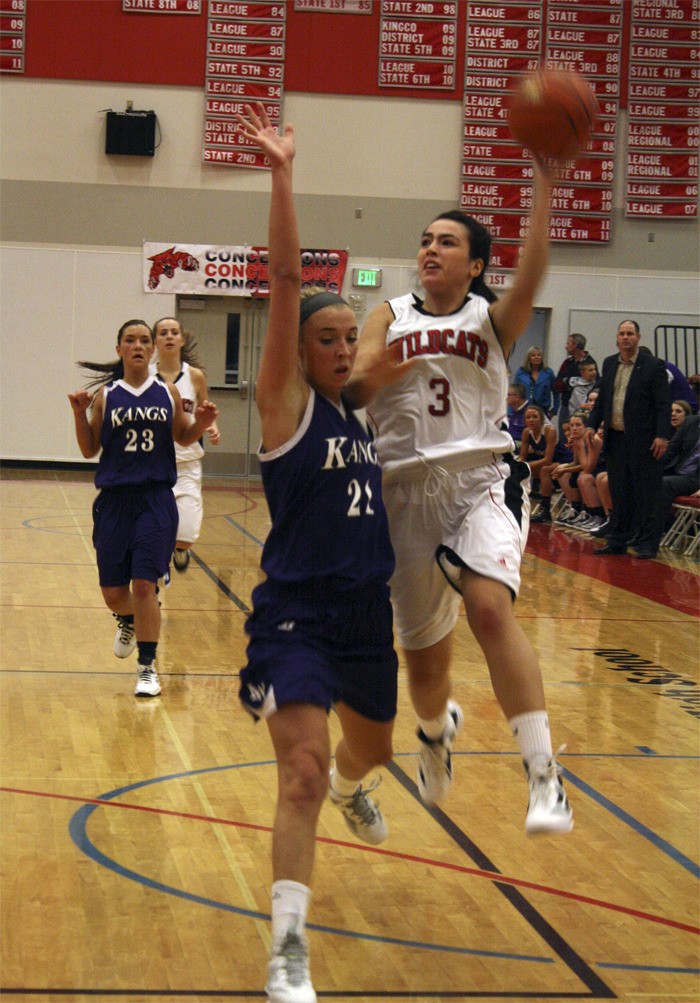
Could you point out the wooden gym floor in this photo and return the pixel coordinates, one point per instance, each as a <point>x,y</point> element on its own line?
<point>135,834</point>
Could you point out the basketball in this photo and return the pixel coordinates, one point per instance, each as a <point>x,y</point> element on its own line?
<point>553,114</point>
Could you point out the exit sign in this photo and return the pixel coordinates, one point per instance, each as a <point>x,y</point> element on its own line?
<point>367,278</point>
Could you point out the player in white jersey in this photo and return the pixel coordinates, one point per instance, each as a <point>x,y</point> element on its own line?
<point>433,376</point>
<point>175,363</point>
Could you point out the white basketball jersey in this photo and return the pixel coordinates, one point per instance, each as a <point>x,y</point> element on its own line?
<point>450,407</point>
<point>186,389</point>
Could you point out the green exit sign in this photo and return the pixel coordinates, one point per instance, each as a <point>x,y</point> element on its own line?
<point>367,278</point>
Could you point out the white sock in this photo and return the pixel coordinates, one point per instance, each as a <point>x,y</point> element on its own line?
<point>434,727</point>
<point>531,732</point>
<point>340,785</point>
<point>290,902</point>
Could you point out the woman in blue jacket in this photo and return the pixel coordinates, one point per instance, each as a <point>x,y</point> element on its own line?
<point>538,380</point>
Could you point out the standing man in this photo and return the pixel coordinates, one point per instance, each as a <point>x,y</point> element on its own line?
<point>576,354</point>
<point>634,403</point>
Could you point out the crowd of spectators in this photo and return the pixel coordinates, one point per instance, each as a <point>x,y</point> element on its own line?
<point>638,416</point>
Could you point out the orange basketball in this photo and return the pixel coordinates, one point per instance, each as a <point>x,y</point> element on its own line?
<point>553,113</point>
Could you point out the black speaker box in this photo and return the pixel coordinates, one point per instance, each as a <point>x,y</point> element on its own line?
<point>131,132</point>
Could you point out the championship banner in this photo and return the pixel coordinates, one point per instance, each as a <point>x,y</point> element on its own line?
<point>217,270</point>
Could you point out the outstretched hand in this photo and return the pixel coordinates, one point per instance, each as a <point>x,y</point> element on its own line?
<point>256,125</point>
<point>206,414</point>
<point>385,367</point>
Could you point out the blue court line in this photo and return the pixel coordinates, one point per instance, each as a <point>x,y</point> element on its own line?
<point>634,824</point>
<point>78,832</point>
<point>243,530</point>
<point>642,830</point>
<point>670,970</point>
<point>229,593</point>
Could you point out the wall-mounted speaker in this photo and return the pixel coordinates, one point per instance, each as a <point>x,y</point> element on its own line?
<point>131,133</point>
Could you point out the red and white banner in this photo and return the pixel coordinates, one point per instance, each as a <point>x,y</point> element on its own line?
<point>245,63</point>
<point>663,91</point>
<point>240,270</point>
<point>13,21</point>
<point>504,42</point>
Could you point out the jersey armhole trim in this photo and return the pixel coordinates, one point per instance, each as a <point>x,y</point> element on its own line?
<point>298,435</point>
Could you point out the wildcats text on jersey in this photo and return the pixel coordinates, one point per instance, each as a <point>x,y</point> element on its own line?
<point>445,341</point>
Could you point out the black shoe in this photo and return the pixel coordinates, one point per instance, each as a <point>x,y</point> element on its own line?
<point>541,517</point>
<point>181,558</point>
<point>609,549</point>
<point>645,554</point>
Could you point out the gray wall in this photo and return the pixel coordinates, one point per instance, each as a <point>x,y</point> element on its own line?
<point>369,173</point>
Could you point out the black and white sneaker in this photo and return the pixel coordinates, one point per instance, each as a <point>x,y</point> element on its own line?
<point>435,758</point>
<point>147,682</point>
<point>181,559</point>
<point>549,810</point>
<point>362,815</point>
<point>125,638</point>
<point>289,980</point>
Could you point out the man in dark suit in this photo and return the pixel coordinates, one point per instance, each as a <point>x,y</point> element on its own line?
<point>634,403</point>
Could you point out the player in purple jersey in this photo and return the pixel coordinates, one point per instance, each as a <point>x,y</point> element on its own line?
<point>320,635</point>
<point>456,499</point>
<point>133,418</point>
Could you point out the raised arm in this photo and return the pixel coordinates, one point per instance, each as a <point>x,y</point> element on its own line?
<point>282,391</point>
<point>511,314</point>
<point>87,426</point>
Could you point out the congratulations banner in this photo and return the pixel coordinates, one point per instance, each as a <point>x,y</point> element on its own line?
<point>216,270</point>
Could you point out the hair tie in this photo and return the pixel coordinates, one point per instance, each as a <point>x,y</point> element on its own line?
<point>317,302</point>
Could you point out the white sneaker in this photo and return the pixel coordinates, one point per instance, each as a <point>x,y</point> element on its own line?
<point>580,521</point>
<point>362,816</point>
<point>593,523</point>
<point>567,514</point>
<point>147,682</point>
<point>125,638</point>
<point>435,758</point>
<point>288,979</point>
<point>549,809</point>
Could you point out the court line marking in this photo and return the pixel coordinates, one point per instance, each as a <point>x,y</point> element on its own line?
<point>642,830</point>
<point>261,927</point>
<point>243,530</point>
<point>491,875</point>
<point>78,833</point>
<point>229,593</point>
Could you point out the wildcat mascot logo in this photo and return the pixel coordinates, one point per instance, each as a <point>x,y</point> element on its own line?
<point>167,262</point>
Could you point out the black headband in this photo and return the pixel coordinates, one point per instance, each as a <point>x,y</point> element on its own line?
<point>317,302</point>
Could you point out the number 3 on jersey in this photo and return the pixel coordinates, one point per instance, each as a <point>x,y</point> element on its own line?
<point>442,397</point>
